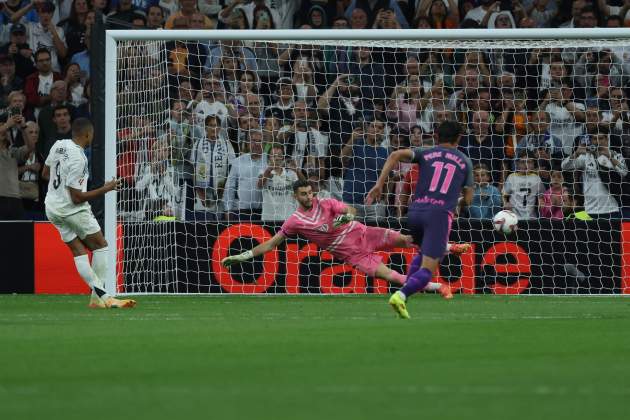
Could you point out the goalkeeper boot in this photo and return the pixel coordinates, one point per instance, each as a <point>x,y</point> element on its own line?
<point>119,303</point>
<point>459,249</point>
<point>445,291</point>
<point>399,306</point>
<point>96,302</point>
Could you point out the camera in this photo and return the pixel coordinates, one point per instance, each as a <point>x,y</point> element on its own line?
<point>585,141</point>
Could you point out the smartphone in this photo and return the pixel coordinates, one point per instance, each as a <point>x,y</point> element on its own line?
<point>14,111</point>
<point>586,142</point>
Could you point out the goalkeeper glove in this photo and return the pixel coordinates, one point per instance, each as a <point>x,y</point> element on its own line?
<point>343,219</point>
<point>228,261</point>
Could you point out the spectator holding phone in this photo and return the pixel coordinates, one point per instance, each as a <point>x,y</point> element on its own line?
<point>10,201</point>
<point>602,174</point>
<point>14,119</point>
<point>19,50</point>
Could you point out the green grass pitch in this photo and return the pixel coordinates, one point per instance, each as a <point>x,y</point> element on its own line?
<point>302,358</point>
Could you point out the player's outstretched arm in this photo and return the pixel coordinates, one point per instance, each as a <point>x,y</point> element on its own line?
<point>254,252</point>
<point>403,155</point>
<point>78,196</point>
<point>347,215</point>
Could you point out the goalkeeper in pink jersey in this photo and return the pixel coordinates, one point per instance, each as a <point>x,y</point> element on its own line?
<point>330,224</point>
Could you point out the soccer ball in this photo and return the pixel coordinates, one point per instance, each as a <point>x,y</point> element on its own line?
<point>505,222</point>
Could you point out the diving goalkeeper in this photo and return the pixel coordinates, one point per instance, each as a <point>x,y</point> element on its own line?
<point>330,224</point>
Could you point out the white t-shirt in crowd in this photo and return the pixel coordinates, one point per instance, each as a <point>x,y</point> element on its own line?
<point>277,195</point>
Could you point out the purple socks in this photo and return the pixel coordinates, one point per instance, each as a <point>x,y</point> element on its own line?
<point>415,265</point>
<point>416,281</point>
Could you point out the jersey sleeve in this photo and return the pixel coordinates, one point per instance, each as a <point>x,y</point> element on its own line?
<point>335,205</point>
<point>77,173</point>
<point>289,228</point>
<point>418,155</point>
<point>51,154</point>
<point>470,180</point>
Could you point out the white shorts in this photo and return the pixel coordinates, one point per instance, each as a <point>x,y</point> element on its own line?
<point>81,224</point>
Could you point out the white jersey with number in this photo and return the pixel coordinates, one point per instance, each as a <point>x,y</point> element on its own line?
<point>68,168</point>
<point>523,190</point>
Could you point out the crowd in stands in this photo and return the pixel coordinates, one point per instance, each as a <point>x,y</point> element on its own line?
<point>548,129</point>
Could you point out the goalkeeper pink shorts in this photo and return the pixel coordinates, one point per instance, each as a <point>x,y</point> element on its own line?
<point>364,257</point>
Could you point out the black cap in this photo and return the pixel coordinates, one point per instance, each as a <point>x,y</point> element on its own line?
<point>18,27</point>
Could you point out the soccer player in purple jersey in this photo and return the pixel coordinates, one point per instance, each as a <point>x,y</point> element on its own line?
<point>444,173</point>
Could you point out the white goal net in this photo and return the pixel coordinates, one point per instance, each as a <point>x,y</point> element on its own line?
<point>210,135</point>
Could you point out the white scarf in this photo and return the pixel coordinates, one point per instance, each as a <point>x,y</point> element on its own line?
<point>212,162</point>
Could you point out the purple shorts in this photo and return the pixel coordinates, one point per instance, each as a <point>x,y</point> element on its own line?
<point>430,229</point>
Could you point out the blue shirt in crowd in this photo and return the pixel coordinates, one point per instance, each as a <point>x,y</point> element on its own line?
<point>362,171</point>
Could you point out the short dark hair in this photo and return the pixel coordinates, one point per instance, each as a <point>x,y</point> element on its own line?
<point>300,183</point>
<point>42,50</point>
<point>449,132</point>
<point>214,117</point>
<point>139,17</point>
<point>61,107</point>
<point>615,17</point>
<point>80,126</point>
<point>345,19</point>
<point>155,6</point>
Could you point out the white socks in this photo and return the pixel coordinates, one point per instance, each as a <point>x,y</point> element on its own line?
<point>99,265</point>
<point>82,262</point>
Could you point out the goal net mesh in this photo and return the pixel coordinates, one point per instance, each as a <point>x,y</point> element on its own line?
<point>211,135</point>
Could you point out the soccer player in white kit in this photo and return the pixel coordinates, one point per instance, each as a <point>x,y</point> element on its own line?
<point>68,209</point>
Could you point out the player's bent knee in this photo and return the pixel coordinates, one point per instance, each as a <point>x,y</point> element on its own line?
<point>95,241</point>
<point>77,247</point>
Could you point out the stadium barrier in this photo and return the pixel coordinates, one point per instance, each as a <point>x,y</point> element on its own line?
<point>535,260</point>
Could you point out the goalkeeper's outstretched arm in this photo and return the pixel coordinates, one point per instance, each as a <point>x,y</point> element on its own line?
<point>347,215</point>
<point>254,252</point>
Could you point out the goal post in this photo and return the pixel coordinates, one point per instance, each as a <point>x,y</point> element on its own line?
<point>179,252</point>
